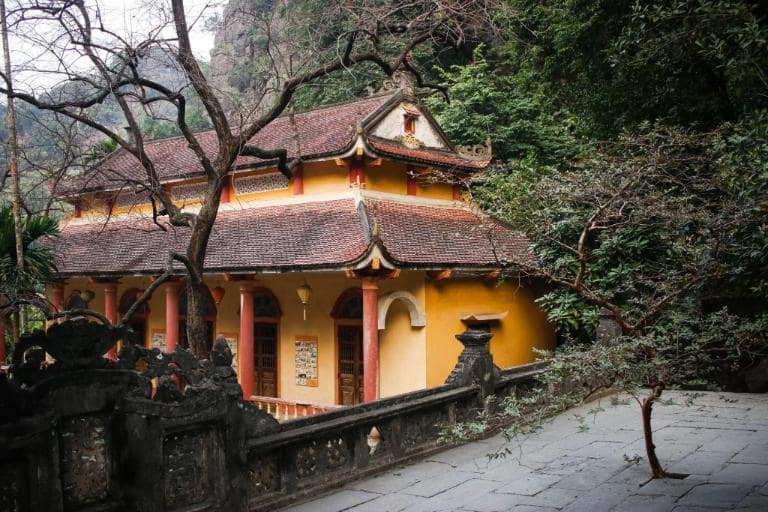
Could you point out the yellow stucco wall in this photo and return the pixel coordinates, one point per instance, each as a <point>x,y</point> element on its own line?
<point>325,177</point>
<point>388,177</point>
<point>447,301</point>
<point>402,348</point>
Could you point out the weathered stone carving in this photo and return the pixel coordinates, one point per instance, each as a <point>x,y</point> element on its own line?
<point>189,457</point>
<point>74,344</point>
<point>477,152</point>
<point>264,476</point>
<point>475,365</point>
<point>84,445</point>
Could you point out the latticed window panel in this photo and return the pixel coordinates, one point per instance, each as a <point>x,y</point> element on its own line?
<point>130,199</point>
<point>191,191</point>
<point>261,183</point>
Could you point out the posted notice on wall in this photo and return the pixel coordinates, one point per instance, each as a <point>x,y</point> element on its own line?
<point>158,339</point>
<point>306,361</point>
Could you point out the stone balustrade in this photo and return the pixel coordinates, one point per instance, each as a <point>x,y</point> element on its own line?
<point>155,432</point>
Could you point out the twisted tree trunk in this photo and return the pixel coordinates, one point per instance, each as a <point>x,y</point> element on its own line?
<point>650,449</point>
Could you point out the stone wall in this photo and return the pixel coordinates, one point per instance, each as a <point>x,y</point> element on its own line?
<point>161,432</point>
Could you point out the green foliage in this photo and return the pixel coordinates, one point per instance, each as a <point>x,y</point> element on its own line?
<point>616,64</point>
<point>100,150</point>
<point>486,103</point>
<point>39,261</point>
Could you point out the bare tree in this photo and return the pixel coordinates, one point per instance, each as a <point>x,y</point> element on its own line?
<point>381,34</point>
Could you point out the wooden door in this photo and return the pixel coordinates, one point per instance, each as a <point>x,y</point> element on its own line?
<point>265,359</point>
<point>350,338</point>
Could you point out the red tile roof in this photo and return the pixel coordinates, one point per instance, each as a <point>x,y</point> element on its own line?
<point>430,156</point>
<point>427,235</point>
<point>325,131</point>
<point>326,234</point>
<point>269,238</point>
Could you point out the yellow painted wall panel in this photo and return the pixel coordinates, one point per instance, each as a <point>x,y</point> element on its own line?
<point>388,177</point>
<point>402,348</point>
<point>435,191</point>
<point>514,337</point>
<point>325,177</point>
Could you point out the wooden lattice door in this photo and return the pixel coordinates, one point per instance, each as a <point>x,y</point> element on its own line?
<point>350,364</point>
<point>265,359</point>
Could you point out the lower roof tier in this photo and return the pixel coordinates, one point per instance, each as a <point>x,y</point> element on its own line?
<point>342,232</point>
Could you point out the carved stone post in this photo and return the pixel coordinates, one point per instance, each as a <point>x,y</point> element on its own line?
<point>475,365</point>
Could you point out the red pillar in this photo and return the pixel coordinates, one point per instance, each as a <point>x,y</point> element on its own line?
<point>370,340</point>
<point>57,297</point>
<point>410,187</point>
<point>57,300</point>
<point>110,311</point>
<point>298,180</point>
<point>226,189</point>
<point>171,316</point>
<point>245,353</point>
<point>357,172</point>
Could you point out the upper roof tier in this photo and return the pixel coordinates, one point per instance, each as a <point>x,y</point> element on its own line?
<point>372,123</point>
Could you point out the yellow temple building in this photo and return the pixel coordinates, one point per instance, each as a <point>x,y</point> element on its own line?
<point>345,283</point>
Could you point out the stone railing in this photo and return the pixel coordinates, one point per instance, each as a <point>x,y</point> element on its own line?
<point>88,434</point>
<point>287,410</point>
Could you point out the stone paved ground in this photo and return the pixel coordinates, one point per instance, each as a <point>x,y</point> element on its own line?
<point>721,441</point>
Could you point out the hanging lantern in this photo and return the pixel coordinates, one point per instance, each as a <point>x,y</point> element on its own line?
<point>218,294</point>
<point>305,293</point>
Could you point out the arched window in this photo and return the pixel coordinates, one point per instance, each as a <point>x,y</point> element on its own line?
<point>349,305</point>
<point>348,313</point>
<point>265,304</point>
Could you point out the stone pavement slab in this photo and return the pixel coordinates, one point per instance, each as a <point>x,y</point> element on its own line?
<point>720,441</point>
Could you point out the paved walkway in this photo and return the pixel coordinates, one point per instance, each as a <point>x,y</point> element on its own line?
<point>582,461</point>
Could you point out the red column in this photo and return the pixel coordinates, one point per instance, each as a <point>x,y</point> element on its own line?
<point>225,189</point>
<point>110,311</point>
<point>57,297</point>
<point>410,187</point>
<point>457,192</point>
<point>171,316</point>
<point>245,353</point>
<point>356,172</point>
<point>298,180</point>
<point>370,340</point>
<point>57,300</point>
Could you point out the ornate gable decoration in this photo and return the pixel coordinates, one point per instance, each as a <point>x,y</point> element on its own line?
<point>476,152</point>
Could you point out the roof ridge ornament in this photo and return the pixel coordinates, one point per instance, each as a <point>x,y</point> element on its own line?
<point>477,152</point>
